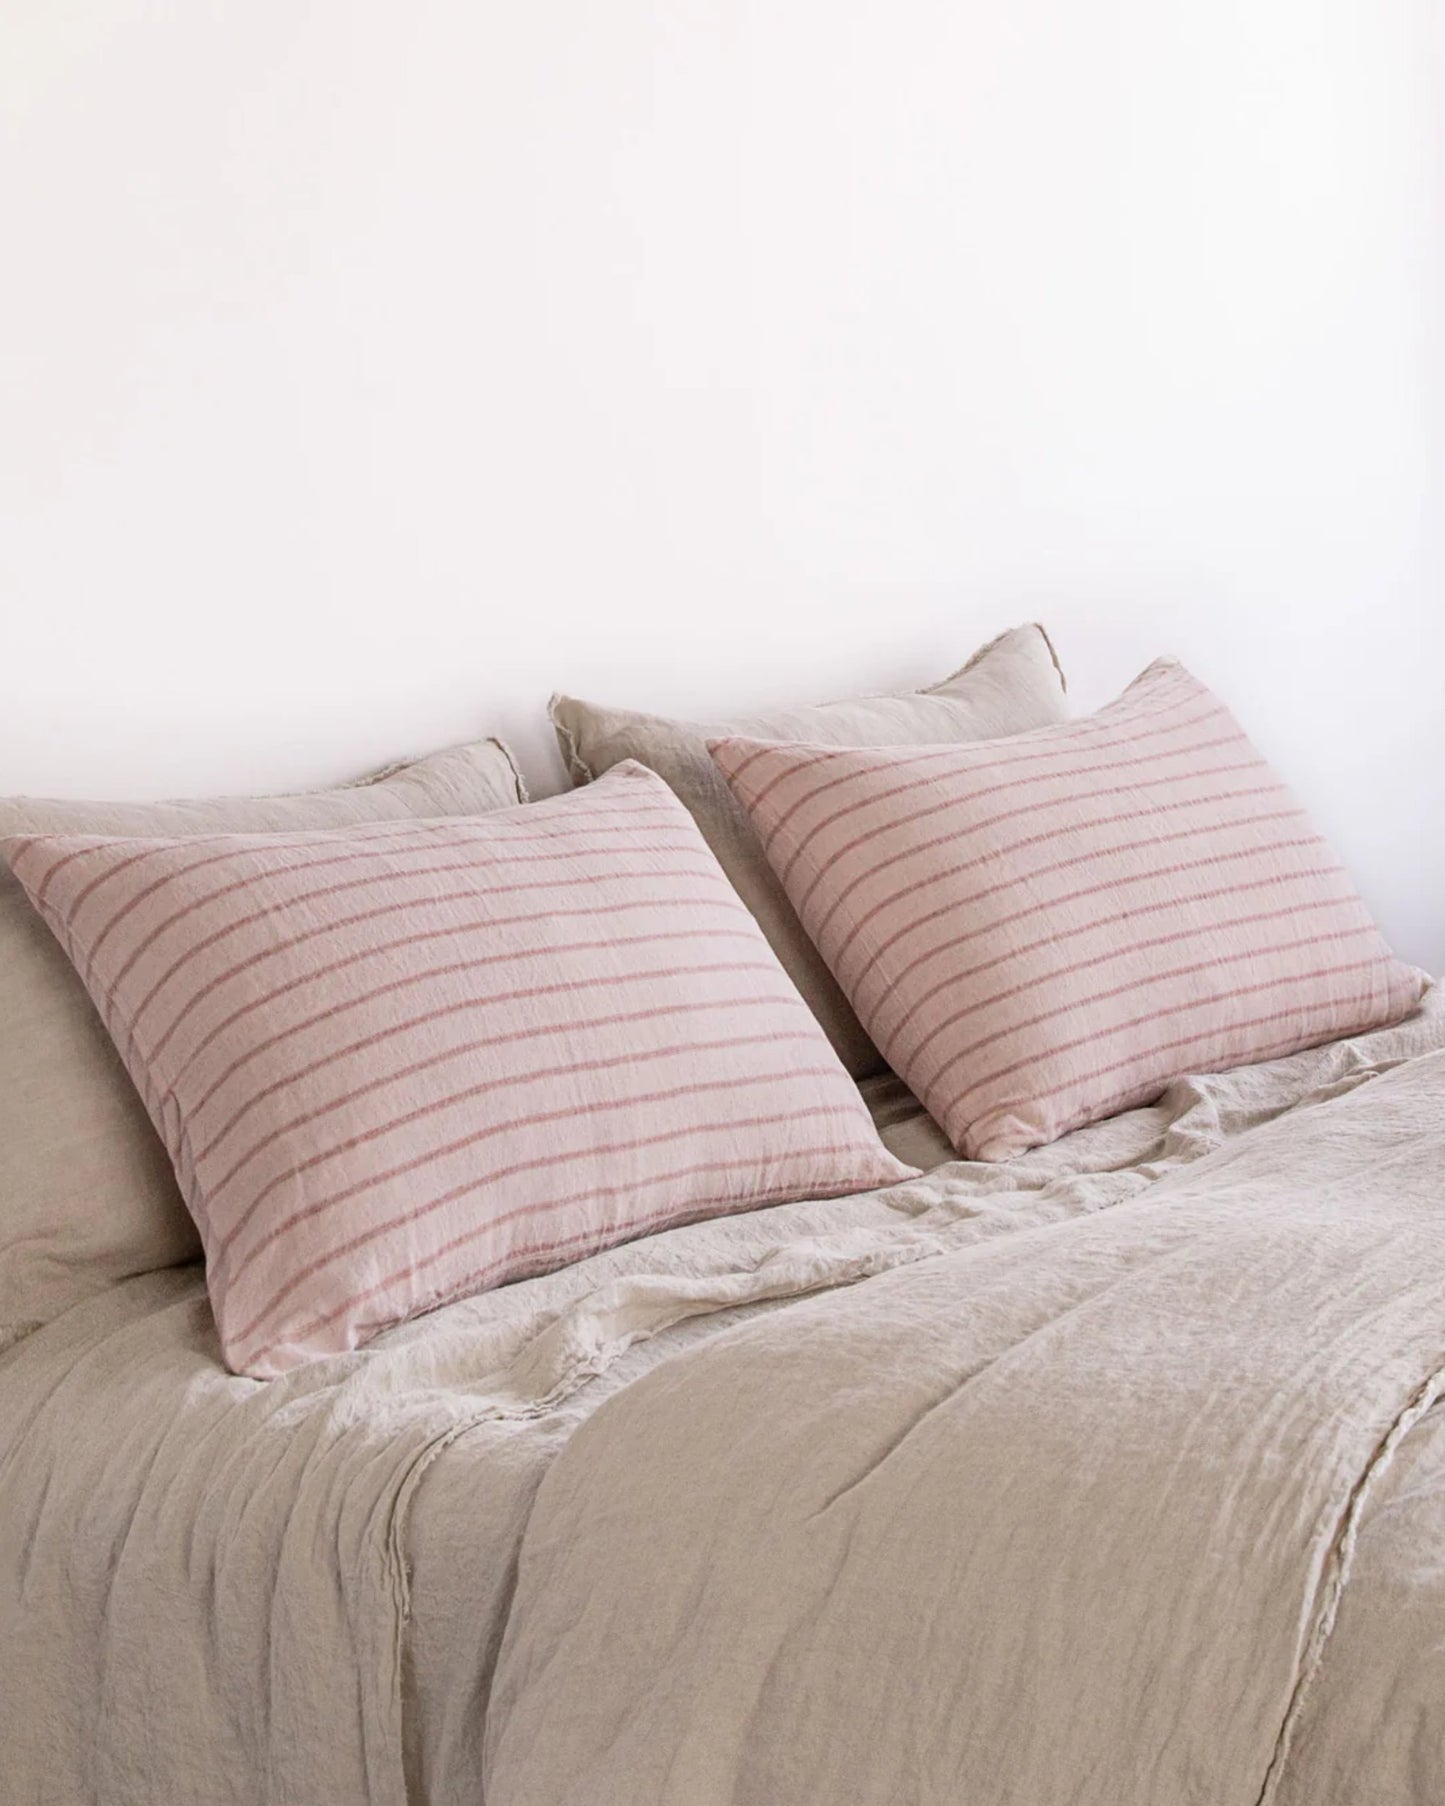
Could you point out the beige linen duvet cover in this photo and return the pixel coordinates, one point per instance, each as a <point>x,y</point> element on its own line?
<point>1111,1475</point>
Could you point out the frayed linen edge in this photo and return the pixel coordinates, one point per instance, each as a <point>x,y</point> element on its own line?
<point>1338,1563</point>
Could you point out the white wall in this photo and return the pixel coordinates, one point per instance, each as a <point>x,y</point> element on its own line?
<point>369,369</point>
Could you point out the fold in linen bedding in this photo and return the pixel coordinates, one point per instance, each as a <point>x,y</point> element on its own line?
<point>1061,1518</point>
<point>1076,1479</point>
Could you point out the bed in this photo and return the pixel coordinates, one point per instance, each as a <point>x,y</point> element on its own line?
<point>861,1499</point>
<point>888,1255</point>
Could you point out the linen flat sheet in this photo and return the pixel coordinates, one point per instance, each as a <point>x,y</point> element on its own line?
<point>1110,1474</point>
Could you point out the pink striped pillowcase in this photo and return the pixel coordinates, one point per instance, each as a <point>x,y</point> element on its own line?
<point>401,1063</point>
<point>1040,931</point>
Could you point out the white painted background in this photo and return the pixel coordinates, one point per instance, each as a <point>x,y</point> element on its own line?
<point>369,369</point>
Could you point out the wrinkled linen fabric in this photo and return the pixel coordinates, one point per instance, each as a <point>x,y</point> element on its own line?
<point>217,1590</point>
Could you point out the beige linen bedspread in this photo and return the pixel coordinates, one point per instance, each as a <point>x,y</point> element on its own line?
<point>1112,1475</point>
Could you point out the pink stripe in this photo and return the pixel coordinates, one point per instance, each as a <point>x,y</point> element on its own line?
<point>1248,1056</point>
<point>363,999</point>
<point>593,1107</point>
<point>380,841</point>
<point>748,760</point>
<point>247,881</point>
<point>534,1031</point>
<point>279,904</point>
<point>110,871</point>
<point>380,834</point>
<point>142,1077</point>
<point>600,1236</point>
<point>1141,1090</point>
<point>1093,856</point>
<point>968,769</point>
<point>847,889</point>
<point>228,854</point>
<point>1070,798</point>
<point>491,959</point>
<point>327,929</point>
<point>1197,930</point>
<point>145,1069</point>
<point>18,847</point>
<point>1051,833</point>
<point>149,846</point>
<point>1162,977</point>
<point>1175,1009</point>
<point>495,1081</point>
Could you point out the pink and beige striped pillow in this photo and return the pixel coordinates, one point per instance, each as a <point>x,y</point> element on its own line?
<point>400,1063</point>
<point>87,1196</point>
<point>1043,930</point>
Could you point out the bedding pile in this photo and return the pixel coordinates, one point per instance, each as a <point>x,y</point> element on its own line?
<point>1150,1401</point>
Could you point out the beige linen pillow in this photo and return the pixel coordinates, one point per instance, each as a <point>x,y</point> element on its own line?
<point>87,1195</point>
<point>1009,686</point>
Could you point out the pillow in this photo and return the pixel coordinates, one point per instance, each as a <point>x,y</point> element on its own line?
<point>1012,684</point>
<point>397,1064</point>
<point>87,1195</point>
<point>1041,931</point>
